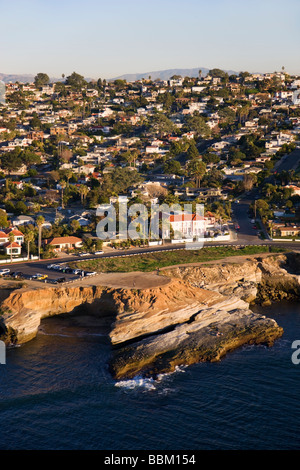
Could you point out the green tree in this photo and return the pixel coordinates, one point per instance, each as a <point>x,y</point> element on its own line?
<point>197,169</point>
<point>3,219</point>
<point>192,152</point>
<point>172,167</point>
<point>75,225</point>
<point>41,79</point>
<point>162,125</point>
<point>83,191</point>
<point>76,81</point>
<point>198,125</point>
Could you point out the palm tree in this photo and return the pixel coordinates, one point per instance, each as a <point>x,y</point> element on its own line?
<point>68,175</point>
<point>62,184</point>
<point>39,222</point>
<point>197,168</point>
<point>29,237</point>
<point>83,190</point>
<point>11,239</point>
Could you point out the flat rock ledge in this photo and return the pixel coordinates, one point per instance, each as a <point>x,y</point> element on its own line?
<point>207,337</point>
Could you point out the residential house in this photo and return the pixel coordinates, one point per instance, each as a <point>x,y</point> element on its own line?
<point>63,243</point>
<point>15,247</point>
<point>185,226</point>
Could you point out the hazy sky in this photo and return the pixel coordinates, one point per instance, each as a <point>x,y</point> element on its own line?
<point>98,38</point>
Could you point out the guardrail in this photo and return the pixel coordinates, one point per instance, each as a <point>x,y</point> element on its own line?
<point>17,260</point>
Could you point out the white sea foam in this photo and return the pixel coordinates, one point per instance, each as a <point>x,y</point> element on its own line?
<point>147,383</point>
<point>137,382</point>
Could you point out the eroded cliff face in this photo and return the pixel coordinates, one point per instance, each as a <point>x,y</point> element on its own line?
<point>134,313</point>
<point>202,313</point>
<point>23,310</point>
<point>254,279</point>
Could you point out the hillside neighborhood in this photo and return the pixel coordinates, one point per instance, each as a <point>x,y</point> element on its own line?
<point>68,146</point>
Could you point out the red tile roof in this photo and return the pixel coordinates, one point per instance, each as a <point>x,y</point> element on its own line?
<point>12,245</point>
<point>185,217</point>
<point>63,240</point>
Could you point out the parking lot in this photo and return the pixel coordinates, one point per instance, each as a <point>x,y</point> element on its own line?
<point>51,273</point>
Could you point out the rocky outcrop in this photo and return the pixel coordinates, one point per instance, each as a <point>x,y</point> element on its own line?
<point>210,335</point>
<point>255,279</point>
<point>151,311</point>
<point>216,328</point>
<point>198,315</point>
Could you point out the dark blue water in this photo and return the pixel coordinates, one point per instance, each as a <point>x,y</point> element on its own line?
<point>56,393</point>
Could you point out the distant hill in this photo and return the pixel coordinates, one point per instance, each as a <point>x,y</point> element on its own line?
<point>6,78</point>
<point>22,78</point>
<point>129,77</point>
<point>167,74</point>
<point>27,78</point>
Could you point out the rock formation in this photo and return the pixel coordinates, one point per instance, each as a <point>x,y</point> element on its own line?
<point>199,315</point>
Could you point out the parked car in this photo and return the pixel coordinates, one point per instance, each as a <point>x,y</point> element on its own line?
<point>39,277</point>
<point>99,252</point>
<point>4,271</point>
<point>83,254</point>
<point>76,271</point>
<point>61,267</point>
<point>68,270</point>
<point>79,272</point>
<point>17,275</point>
<point>87,273</point>
<point>60,280</point>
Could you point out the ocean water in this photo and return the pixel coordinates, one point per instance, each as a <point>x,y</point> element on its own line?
<point>56,394</point>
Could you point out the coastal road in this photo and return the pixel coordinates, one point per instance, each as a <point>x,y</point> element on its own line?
<point>246,236</point>
<point>288,162</point>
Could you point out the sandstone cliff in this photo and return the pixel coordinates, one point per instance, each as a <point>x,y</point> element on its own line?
<point>199,314</point>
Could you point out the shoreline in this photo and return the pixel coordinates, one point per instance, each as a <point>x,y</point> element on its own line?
<point>191,313</point>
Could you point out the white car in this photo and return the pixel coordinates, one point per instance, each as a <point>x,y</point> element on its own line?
<point>99,252</point>
<point>56,267</point>
<point>83,254</point>
<point>4,271</point>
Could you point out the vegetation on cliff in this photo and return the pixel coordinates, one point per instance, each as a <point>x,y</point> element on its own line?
<point>153,261</point>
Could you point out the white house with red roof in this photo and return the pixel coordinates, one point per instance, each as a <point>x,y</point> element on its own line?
<point>12,248</point>
<point>186,225</point>
<point>4,236</point>
<point>16,246</point>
